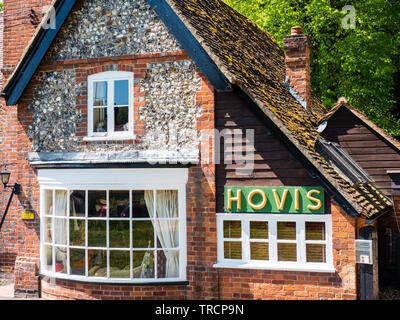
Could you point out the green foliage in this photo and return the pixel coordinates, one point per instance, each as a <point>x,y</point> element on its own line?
<point>361,64</point>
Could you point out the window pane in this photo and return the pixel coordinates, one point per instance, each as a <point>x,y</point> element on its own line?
<point>77,232</point>
<point>315,253</point>
<point>60,203</point>
<point>143,234</point>
<point>119,204</point>
<point>315,231</point>
<point>232,229</point>
<point>119,234</point>
<point>232,250</point>
<point>77,261</point>
<point>167,203</point>
<point>48,230</point>
<point>120,264</point>
<point>97,206</point>
<point>287,230</point>
<point>121,92</point>
<point>121,119</point>
<point>287,252</point>
<point>167,233</point>
<point>61,259</point>
<point>48,258</point>
<point>48,202</point>
<point>100,120</point>
<point>142,204</point>
<point>77,203</point>
<point>60,231</point>
<point>165,268</point>
<point>259,251</point>
<point>97,234</point>
<point>100,93</point>
<point>258,230</point>
<point>143,264</point>
<point>97,263</point>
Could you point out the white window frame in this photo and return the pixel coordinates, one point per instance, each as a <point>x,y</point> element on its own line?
<point>110,77</point>
<point>112,179</point>
<point>273,263</point>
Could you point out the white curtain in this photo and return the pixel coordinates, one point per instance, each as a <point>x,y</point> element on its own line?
<point>60,227</point>
<point>166,229</point>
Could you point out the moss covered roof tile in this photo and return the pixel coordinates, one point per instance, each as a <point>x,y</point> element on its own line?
<point>250,58</point>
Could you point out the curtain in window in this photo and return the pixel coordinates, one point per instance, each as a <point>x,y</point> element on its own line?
<point>60,229</point>
<point>73,210</point>
<point>100,93</point>
<point>166,229</point>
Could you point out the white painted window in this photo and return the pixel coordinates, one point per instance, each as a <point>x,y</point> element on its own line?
<point>114,225</point>
<point>275,242</point>
<point>110,105</point>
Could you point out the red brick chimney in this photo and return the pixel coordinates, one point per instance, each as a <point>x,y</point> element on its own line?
<point>297,57</point>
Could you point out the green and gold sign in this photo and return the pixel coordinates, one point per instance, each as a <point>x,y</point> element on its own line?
<point>275,199</point>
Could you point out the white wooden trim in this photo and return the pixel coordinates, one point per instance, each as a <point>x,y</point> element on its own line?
<point>148,179</point>
<point>110,77</point>
<point>273,263</point>
<point>140,179</point>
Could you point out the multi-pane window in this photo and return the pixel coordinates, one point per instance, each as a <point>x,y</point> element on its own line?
<point>109,234</point>
<point>110,104</point>
<point>274,241</point>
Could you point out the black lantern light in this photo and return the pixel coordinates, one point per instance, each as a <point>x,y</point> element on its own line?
<point>5,177</point>
<point>16,189</point>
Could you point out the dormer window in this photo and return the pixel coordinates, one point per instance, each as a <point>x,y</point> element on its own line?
<point>110,105</point>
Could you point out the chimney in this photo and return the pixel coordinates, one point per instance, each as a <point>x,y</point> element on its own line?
<point>297,60</point>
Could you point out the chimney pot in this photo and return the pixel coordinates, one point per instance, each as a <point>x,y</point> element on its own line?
<point>296,30</point>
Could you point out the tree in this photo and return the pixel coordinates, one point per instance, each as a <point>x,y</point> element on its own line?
<point>361,64</point>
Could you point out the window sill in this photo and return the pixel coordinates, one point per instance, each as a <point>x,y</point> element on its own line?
<point>119,281</point>
<point>110,138</point>
<point>277,266</point>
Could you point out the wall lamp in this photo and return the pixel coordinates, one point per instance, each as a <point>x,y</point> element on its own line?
<point>15,189</point>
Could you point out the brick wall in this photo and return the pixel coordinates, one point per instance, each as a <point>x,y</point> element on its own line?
<point>18,31</point>
<point>1,46</point>
<point>18,28</point>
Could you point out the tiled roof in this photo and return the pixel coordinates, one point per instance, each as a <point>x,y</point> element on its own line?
<point>250,58</point>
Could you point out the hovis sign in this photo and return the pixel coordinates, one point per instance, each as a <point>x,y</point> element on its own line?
<point>275,199</point>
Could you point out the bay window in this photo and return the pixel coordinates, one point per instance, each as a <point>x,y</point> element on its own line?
<point>114,233</point>
<point>275,241</point>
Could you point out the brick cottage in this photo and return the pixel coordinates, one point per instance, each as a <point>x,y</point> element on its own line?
<point>112,122</point>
